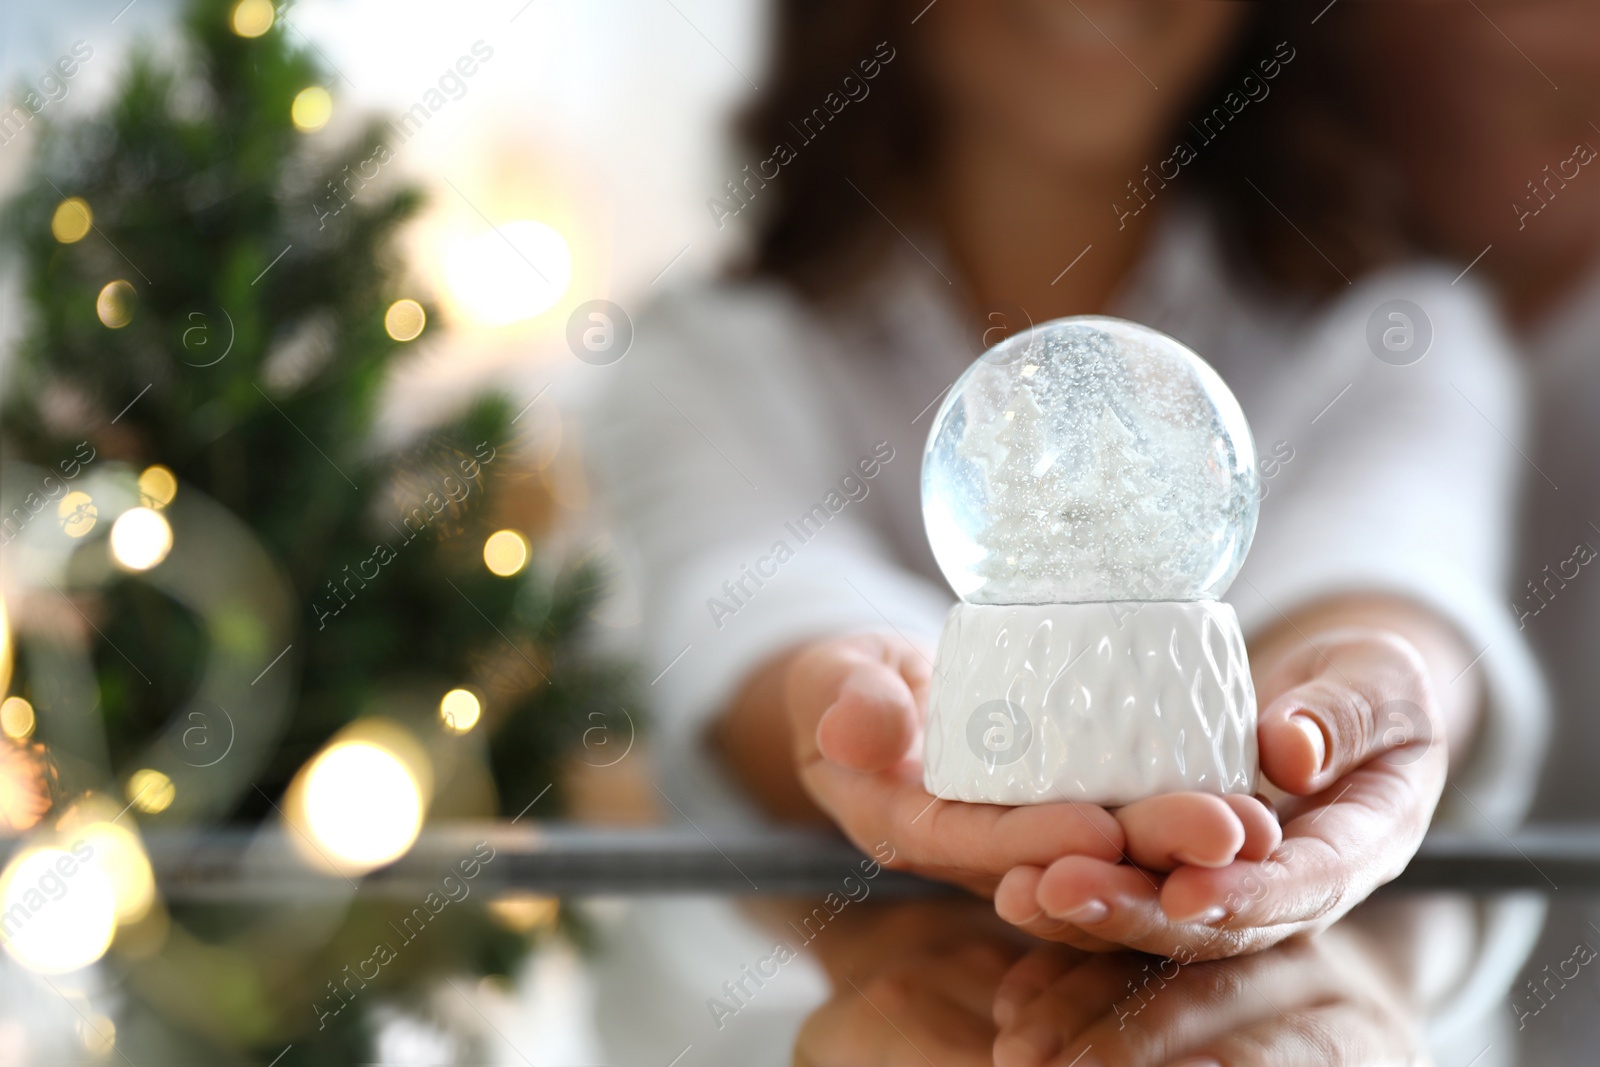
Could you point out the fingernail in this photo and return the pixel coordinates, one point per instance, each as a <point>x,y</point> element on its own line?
<point>1208,917</point>
<point>1094,911</point>
<point>1319,745</point>
<point>1030,1048</point>
<point>1005,1012</point>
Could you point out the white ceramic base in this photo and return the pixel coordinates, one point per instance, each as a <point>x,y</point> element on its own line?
<point>1105,703</point>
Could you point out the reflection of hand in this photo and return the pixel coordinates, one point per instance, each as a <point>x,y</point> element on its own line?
<point>1365,780</point>
<point>931,1004</point>
<point>1309,1002</point>
<point>856,707</point>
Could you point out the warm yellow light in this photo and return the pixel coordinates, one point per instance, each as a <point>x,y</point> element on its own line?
<point>114,305</point>
<point>252,18</point>
<point>157,487</point>
<point>59,909</point>
<point>511,273</point>
<point>17,719</point>
<point>505,552</point>
<point>98,1034</point>
<point>72,220</point>
<point>5,648</point>
<point>120,859</point>
<point>524,912</point>
<point>140,538</point>
<point>362,803</point>
<point>460,709</point>
<point>77,513</point>
<point>150,791</point>
<point>404,320</point>
<point>312,108</point>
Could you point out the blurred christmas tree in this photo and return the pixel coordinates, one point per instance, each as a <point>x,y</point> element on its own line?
<point>198,310</point>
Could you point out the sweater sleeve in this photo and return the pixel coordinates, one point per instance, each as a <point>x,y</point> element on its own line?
<point>718,453</point>
<point>1403,479</point>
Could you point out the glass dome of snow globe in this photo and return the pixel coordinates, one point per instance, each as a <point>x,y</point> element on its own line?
<point>1089,459</point>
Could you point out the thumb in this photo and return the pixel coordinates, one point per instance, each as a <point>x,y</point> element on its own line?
<point>852,706</point>
<point>1370,697</point>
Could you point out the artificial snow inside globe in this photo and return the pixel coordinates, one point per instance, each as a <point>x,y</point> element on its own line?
<point>1090,491</point>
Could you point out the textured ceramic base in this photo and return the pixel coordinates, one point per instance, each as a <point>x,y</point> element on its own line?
<point>1106,703</point>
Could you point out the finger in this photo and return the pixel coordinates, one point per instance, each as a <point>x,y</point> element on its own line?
<point>1174,1011</point>
<point>1262,833</point>
<point>1030,975</point>
<point>872,723</point>
<point>1016,901</point>
<point>973,974</point>
<point>1360,834</point>
<point>1370,697</point>
<point>890,815</point>
<point>1068,1006</point>
<point>1167,831</point>
<point>1337,1035</point>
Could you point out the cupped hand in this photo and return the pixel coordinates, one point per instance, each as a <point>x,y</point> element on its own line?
<point>1319,1001</point>
<point>1351,731</point>
<point>856,708</point>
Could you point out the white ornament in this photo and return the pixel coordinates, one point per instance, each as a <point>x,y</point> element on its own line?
<point>1090,490</point>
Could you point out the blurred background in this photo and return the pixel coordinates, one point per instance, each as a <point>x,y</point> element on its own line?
<point>305,313</point>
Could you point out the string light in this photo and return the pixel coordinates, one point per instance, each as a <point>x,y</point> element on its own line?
<point>114,305</point>
<point>312,108</point>
<point>524,912</point>
<point>157,487</point>
<point>505,552</point>
<point>72,220</point>
<point>513,272</point>
<point>56,934</point>
<point>404,320</point>
<point>140,538</point>
<point>460,710</point>
<point>252,18</point>
<point>362,804</point>
<point>150,791</point>
<point>77,513</point>
<point>17,720</point>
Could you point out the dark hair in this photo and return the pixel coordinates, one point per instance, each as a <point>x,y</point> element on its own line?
<point>1300,159</point>
<point>812,227</point>
<point>1305,199</point>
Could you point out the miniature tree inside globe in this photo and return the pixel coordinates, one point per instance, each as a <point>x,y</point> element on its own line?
<point>1090,491</point>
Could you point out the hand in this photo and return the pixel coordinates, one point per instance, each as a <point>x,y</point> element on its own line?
<point>1321,1001</point>
<point>921,1003</point>
<point>1351,730</point>
<point>856,708</point>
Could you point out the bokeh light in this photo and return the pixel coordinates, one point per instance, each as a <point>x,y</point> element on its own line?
<point>77,513</point>
<point>5,647</point>
<point>72,220</point>
<point>119,857</point>
<point>140,538</point>
<point>505,552</point>
<point>511,273</point>
<point>61,910</point>
<point>252,18</point>
<point>524,912</point>
<point>98,1034</point>
<point>404,320</point>
<point>17,720</point>
<point>362,804</point>
<point>460,710</point>
<point>114,305</point>
<point>150,791</point>
<point>157,487</point>
<point>312,108</point>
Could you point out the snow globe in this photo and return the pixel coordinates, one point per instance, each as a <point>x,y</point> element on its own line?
<point>1090,491</point>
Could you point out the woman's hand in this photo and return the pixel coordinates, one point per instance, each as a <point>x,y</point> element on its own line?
<point>855,708</point>
<point>1320,1001</point>
<point>1352,731</point>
